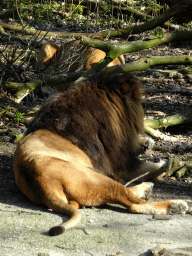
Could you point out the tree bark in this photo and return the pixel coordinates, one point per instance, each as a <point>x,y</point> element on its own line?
<point>157,134</point>
<point>30,31</point>
<point>115,50</point>
<point>144,63</point>
<point>169,121</point>
<point>179,168</point>
<point>24,89</point>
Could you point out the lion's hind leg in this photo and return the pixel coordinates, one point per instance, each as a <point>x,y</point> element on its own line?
<point>166,207</point>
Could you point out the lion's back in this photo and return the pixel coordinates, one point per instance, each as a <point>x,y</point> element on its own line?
<point>101,116</point>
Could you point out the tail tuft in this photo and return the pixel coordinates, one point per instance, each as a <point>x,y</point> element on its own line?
<point>57,230</point>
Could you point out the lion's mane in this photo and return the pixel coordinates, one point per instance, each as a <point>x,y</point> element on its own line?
<point>101,116</point>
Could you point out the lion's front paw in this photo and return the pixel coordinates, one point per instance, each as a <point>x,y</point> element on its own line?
<point>148,188</point>
<point>149,143</point>
<point>178,207</point>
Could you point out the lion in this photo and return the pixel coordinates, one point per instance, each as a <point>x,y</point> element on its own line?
<point>74,55</point>
<point>81,148</point>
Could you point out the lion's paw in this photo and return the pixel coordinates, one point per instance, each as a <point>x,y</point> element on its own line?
<point>148,188</point>
<point>142,190</point>
<point>178,207</point>
<point>149,143</point>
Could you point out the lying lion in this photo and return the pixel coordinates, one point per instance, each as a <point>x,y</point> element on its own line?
<point>82,147</point>
<point>74,55</point>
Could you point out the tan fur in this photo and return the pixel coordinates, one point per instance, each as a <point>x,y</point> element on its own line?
<point>98,122</point>
<point>75,54</point>
<point>52,171</point>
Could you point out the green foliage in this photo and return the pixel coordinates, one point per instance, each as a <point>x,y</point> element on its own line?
<point>103,14</point>
<point>158,32</point>
<point>105,7</point>
<point>152,5</point>
<point>99,14</point>
<point>45,12</point>
<point>77,8</point>
<point>2,110</point>
<point>39,11</point>
<point>189,24</point>
<point>19,117</point>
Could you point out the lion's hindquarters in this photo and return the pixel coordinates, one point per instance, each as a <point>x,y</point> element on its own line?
<point>63,184</point>
<point>61,180</point>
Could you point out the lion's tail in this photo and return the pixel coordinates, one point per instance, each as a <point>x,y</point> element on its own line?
<point>58,205</point>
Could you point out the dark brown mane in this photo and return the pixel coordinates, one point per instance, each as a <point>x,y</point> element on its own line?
<point>102,117</point>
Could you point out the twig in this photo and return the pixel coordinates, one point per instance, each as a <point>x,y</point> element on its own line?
<point>157,134</point>
<point>137,178</point>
